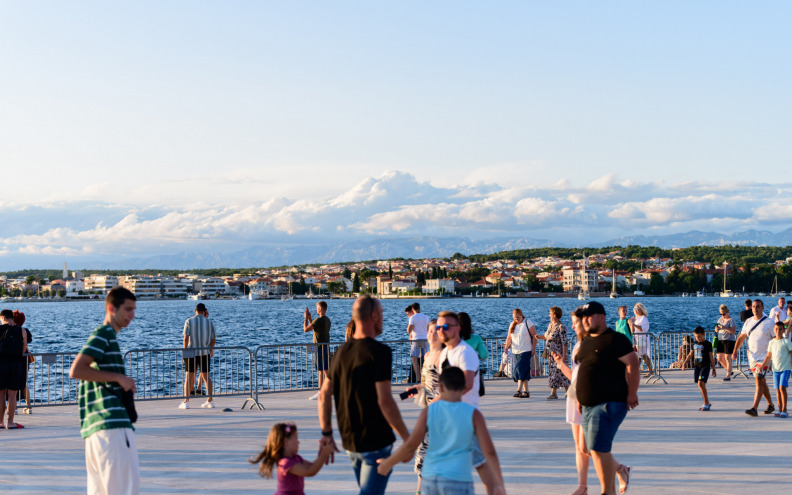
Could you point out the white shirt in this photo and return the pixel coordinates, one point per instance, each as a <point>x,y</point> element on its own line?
<point>419,322</point>
<point>465,358</point>
<point>521,337</point>
<point>776,310</point>
<point>643,322</point>
<point>759,338</point>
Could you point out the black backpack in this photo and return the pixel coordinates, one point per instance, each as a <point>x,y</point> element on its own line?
<point>11,343</point>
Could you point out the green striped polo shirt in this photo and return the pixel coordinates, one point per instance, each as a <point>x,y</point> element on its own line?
<point>101,409</point>
<point>201,331</point>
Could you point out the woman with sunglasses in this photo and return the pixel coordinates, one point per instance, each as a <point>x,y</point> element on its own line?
<point>521,339</point>
<point>727,337</point>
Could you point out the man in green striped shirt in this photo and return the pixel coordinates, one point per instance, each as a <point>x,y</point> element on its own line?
<point>111,457</point>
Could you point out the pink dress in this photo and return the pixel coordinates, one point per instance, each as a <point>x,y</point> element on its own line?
<point>289,484</point>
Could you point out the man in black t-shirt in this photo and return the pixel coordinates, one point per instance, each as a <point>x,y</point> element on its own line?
<point>360,382</point>
<point>747,312</point>
<point>321,335</point>
<point>703,360</point>
<point>606,387</point>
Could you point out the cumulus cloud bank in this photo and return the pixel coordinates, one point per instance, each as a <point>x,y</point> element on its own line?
<point>397,203</point>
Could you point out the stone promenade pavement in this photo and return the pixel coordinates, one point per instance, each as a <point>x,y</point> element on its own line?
<point>672,447</point>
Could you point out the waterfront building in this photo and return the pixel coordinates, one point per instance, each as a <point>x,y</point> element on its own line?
<point>209,286</point>
<point>143,286</point>
<point>74,288</point>
<point>437,285</point>
<point>100,283</point>
<point>175,287</point>
<point>577,278</point>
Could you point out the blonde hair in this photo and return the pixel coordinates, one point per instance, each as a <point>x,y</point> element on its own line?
<point>723,307</point>
<point>642,309</point>
<point>273,452</point>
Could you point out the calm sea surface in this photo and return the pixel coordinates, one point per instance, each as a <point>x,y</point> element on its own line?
<point>63,327</point>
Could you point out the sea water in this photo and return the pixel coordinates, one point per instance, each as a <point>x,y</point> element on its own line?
<point>64,326</point>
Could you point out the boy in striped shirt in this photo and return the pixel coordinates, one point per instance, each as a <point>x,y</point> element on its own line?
<point>111,457</point>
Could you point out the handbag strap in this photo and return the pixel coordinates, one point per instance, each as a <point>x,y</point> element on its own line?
<point>756,325</point>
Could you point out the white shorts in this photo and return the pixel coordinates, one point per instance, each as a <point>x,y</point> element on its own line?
<point>111,459</point>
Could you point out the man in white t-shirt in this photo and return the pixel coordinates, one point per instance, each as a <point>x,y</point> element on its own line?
<point>416,332</point>
<point>758,331</point>
<point>459,354</point>
<point>779,313</point>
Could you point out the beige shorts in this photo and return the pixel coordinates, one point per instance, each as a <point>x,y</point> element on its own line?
<point>111,459</point>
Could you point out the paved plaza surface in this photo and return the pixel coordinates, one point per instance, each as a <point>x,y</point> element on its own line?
<point>671,446</point>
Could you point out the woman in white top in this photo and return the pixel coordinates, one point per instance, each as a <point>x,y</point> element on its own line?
<point>573,416</point>
<point>521,339</point>
<point>639,324</point>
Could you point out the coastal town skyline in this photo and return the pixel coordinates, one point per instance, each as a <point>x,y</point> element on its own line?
<point>144,130</point>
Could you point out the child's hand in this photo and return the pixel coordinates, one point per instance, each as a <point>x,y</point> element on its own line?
<point>383,466</point>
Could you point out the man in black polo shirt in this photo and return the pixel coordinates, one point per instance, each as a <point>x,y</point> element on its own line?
<point>606,387</point>
<point>360,382</point>
<point>747,312</point>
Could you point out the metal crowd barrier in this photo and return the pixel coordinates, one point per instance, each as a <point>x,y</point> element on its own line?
<point>161,373</point>
<point>668,345</point>
<point>48,380</point>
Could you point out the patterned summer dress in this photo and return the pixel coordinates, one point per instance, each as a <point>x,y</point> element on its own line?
<point>431,381</point>
<point>556,338</point>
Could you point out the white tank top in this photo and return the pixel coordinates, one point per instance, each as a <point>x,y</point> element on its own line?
<point>521,337</point>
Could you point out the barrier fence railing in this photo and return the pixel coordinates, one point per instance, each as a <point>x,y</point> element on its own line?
<point>237,371</point>
<point>669,346</point>
<point>161,373</point>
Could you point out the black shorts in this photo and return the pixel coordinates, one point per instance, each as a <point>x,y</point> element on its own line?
<point>701,374</point>
<point>12,373</point>
<point>724,347</point>
<point>322,357</point>
<point>202,363</point>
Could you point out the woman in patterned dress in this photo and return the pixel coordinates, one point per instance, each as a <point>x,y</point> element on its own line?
<point>430,374</point>
<point>556,341</point>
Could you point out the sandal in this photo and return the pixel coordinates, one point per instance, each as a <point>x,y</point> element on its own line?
<point>551,397</point>
<point>626,470</point>
<point>517,394</point>
<point>525,395</point>
<point>705,407</point>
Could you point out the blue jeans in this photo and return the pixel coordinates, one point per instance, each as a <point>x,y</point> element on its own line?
<point>365,466</point>
<point>437,485</point>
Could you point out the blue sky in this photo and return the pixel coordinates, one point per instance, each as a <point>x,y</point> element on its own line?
<point>148,126</point>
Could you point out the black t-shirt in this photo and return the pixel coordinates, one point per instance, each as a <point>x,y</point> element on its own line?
<point>321,330</point>
<point>601,376</point>
<point>745,314</point>
<point>701,354</point>
<point>355,369</point>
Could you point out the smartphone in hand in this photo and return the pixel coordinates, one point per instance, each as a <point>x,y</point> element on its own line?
<point>407,393</point>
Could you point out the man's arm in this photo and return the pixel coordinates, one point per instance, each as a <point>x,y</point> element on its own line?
<point>389,408</point>
<point>633,378</point>
<point>470,376</point>
<point>410,329</point>
<point>325,421</point>
<point>81,370</point>
<point>737,346</point>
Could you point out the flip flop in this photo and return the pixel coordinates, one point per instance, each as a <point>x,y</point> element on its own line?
<point>16,427</point>
<point>626,470</point>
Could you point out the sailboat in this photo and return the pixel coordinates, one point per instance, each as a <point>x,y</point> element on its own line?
<point>725,293</point>
<point>774,290</point>
<point>583,295</point>
<point>289,296</point>
<point>613,294</point>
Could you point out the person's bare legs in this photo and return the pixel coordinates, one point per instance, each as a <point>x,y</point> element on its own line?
<point>606,466</point>
<point>208,382</point>
<point>11,407</point>
<point>648,362</point>
<point>3,394</point>
<point>766,392</point>
<point>703,387</point>
<point>189,381</point>
<point>581,460</point>
<point>760,391</point>
<point>782,398</point>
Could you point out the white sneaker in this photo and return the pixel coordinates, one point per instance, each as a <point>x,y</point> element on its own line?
<point>208,404</point>
<point>184,405</point>
<point>314,396</point>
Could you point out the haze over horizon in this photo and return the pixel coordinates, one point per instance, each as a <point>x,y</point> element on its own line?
<point>154,129</point>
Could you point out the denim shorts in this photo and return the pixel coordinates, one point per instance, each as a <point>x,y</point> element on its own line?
<point>600,424</point>
<point>781,379</point>
<point>701,374</point>
<point>437,485</point>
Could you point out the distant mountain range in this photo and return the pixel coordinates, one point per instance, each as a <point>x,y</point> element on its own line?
<point>417,247</point>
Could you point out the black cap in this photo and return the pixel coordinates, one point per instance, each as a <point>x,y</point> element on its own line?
<point>592,308</point>
<point>200,307</point>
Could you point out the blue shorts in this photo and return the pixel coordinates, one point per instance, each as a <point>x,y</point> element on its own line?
<point>322,357</point>
<point>437,485</point>
<point>701,374</point>
<point>781,379</point>
<point>600,424</point>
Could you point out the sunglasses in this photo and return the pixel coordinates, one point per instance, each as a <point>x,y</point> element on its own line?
<point>441,327</point>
